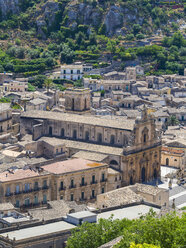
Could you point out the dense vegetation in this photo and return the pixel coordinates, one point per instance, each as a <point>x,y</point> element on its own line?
<point>33,48</point>
<point>147,232</point>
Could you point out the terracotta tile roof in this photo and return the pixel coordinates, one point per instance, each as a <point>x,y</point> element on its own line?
<point>71,165</point>
<point>166,149</point>
<point>19,174</point>
<point>80,119</point>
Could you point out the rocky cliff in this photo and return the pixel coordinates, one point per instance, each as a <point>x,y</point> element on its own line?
<point>115,17</point>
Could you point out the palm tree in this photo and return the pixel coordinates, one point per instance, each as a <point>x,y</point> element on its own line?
<point>173,121</point>
<point>48,84</point>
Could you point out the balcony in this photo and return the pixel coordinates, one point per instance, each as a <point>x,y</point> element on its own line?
<point>92,197</point>
<point>36,189</point>
<point>27,191</point>
<point>45,187</point>
<point>72,186</point>
<point>82,199</point>
<point>103,180</point>
<point>63,188</point>
<point>18,193</point>
<point>8,194</point>
<point>94,182</point>
<point>83,184</point>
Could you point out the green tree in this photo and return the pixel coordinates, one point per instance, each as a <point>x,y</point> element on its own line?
<point>136,28</point>
<point>91,235</point>
<point>173,121</point>
<point>111,46</point>
<point>48,84</point>
<point>67,54</point>
<point>133,245</point>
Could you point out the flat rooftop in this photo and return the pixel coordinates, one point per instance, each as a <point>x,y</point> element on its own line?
<point>80,119</point>
<point>132,212</point>
<point>4,107</point>
<point>82,214</point>
<point>41,230</point>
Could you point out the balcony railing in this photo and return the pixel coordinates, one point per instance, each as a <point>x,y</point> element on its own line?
<point>8,194</point>
<point>36,189</point>
<point>72,186</point>
<point>93,182</point>
<point>62,188</point>
<point>27,191</point>
<point>45,187</point>
<point>103,180</point>
<point>18,193</point>
<point>83,184</point>
<point>92,197</point>
<point>82,199</point>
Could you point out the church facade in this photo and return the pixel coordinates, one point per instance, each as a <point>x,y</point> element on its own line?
<point>138,142</point>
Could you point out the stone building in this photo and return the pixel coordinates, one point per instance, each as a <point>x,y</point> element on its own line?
<point>77,99</point>
<point>72,180</point>
<point>77,179</point>
<point>5,118</point>
<point>131,73</point>
<point>132,147</point>
<point>41,235</point>
<point>173,157</point>
<point>71,72</point>
<point>141,161</point>
<point>25,188</point>
<point>16,86</point>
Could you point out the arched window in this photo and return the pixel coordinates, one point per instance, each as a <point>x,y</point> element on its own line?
<point>113,162</point>
<point>144,138</point>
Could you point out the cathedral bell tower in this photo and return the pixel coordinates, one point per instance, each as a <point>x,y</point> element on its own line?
<point>141,160</point>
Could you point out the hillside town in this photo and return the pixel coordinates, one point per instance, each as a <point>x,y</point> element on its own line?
<point>114,146</point>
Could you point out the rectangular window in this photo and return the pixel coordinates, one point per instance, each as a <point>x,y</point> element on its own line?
<point>82,181</point>
<point>44,199</point>
<point>8,190</point>
<point>27,202</point>
<point>71,197</point>
<point>82,195</point>
<point>27,187</point>
<point>17,204</point>
<point>35,200</point>
<point>103,177</point>
<point>102,190</point>
<point>45,184</point>
<point>64,71</point>
<point>61,150</point>
<point>17,189</point>
<point>36,185</point>
<point>72,183</point>
<point>61,186</point>
<point>93,193</point>
<point>93,179</point>
<point>71,71</point>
